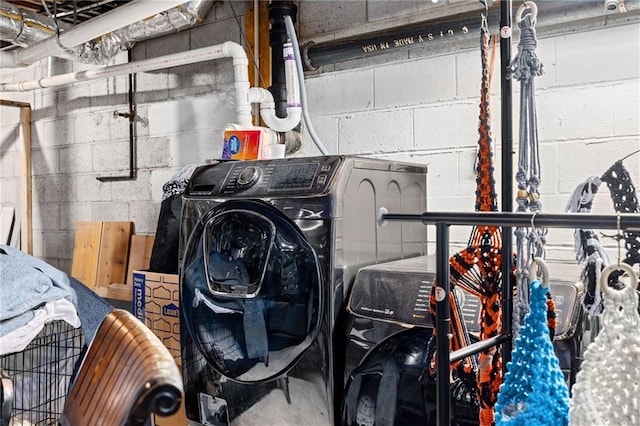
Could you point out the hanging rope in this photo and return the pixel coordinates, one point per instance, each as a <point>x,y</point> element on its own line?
<point>529,241</point>
<point>534,391</point>
<point>477,268</point>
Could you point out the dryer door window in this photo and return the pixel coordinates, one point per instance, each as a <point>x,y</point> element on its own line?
<point>250,291</point>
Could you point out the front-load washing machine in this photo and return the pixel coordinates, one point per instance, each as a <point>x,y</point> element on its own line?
<point>269,249</point>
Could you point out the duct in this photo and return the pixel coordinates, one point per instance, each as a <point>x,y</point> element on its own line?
<point>62,44</point>
<point>172,20</point>
<point>22,27</point>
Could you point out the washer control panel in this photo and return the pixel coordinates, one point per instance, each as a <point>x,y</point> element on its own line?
<point>266,178</point>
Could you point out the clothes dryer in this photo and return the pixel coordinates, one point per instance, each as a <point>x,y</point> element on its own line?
<point>389,328</point>
<point>269,250</point>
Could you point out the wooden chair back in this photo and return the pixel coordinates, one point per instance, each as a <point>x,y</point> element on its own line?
<point>126,375</point>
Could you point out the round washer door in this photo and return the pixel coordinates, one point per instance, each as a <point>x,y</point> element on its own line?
<point>250,293</point>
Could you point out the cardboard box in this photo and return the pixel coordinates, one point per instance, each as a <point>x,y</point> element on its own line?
<point>156,302</point>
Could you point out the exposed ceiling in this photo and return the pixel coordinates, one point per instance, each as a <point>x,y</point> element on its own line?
<point>71,12</point>
<point>66,12</point>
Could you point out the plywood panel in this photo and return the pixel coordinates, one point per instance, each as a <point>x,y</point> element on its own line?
<point>139,254</point>
<point>115,291</point>
<point>114,253</point>
<point>86,249</point>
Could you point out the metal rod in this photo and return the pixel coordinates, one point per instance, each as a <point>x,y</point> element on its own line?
<point>507,174</point>
<point>442,221</point>
<point>628,221</point>
<point>443,323</point>
<point>480,346</point>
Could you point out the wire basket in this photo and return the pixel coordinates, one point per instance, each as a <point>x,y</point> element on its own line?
<point>42,373</point>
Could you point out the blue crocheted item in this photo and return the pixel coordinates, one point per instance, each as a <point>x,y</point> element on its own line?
<point>534,391</point>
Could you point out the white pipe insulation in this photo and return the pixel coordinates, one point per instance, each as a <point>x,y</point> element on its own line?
<point>122,16</point>
<point>244,94</point>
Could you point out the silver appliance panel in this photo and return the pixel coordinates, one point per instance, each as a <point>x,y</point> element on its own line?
<point>399,291</point>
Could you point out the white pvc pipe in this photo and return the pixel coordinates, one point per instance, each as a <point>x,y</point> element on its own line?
<point>267,104</point>
<point>173,60</point>
<point>119,17</point>
<point>244,95</point>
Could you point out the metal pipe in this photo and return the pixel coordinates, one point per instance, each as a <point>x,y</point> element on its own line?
<point>277,38</point>
<point>131,116</point>
<point>476,347</point>
<point>117,18</point>
<point>629,221</point>
<point>411,36</point>
<point>443,326</point>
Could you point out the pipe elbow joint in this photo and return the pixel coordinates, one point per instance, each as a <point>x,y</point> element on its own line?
<point>235,51</point>
<point>280,124</point>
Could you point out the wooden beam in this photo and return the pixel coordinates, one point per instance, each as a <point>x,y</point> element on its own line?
<point>260,53</point>
<point>250,31</point>
<point>4,102</point>
<point>265,48</point>
<point>26,193</point>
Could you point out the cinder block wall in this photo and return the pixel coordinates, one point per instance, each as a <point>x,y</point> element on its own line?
<point>417,105</point>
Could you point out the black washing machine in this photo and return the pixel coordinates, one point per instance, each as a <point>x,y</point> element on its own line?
<point>389,328</point>
<point>269,250</point>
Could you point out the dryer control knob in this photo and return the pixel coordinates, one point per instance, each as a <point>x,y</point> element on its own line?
<point>248,177</point>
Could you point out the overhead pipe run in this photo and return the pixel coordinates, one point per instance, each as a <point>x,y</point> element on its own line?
<point>24,28</point>
<point>172,20</point>
<point>381,42</point>
<point>556,17</point>
<point>244,94</point>
<point>62,43</point>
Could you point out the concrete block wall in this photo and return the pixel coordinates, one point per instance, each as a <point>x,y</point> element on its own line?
<point>418,106</point>
<point>425,110</point>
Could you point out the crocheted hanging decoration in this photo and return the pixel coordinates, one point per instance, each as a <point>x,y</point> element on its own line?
<point>477,268</point>
<point>607,388</point>
<point>623,194</point>
<point>589,252</point>
<point>534,391</point>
